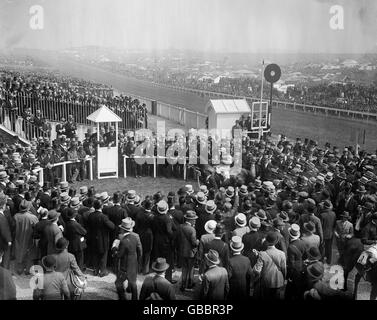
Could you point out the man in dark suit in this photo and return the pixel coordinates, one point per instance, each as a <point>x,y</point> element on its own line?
<point>129,253</point>
<point>44,197</point>
<point>143,227</point>
<point>239,272</point>
<point>51,233</point>
<point>158,284</point>
<point>296,254</point>
<point>5,232</point>
<point>7,286</point>
<point>75,234</point>
<point>252,240</point>
<point>99,228</point>
<point>215,284</point>
<point>116,214</point>
<point>39,230</point>
<point>162,228</point>
<point>130,207</point>
<point>219,246</point>
<point>188,248</point>
<point>205,213</point>
<point>177,216</point>
<point>328,220</point>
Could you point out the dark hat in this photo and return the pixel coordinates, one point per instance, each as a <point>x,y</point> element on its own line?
<point>278,222</point>
<point>212,256</point>
<point>327,204</point>
<point>49,262</point>
<point>261,214</point>
<point>309,227</point>
<point>316,271</point>
<point>314,254</point>
<point>283,216</point>
<point>62,244</point>
<point>52,215</point>
<point>345,214</point>
<point>271,239</point>
<point>24,205</point>
<point>190,215</point>
<point>71,213</point>
<point>160,265</point>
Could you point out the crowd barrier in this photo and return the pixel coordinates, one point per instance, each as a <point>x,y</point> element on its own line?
<point>155,164</point>
<point>64,164</point>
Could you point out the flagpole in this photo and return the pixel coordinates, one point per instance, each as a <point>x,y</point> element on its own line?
<point>260,105</point>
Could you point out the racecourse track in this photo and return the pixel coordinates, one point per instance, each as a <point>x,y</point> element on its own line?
<point>293,124</point>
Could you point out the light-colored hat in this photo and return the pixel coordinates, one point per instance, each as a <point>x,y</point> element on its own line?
<point>201,198</point>
<point>127,224</point>
<point>294,231</point>
<point>189,188</point>
<point>162,207</point>
<point>240,220</point>
<point>236,244</point>
<point>210,226</point>
<point>210,206</point>
<point>254,223</point>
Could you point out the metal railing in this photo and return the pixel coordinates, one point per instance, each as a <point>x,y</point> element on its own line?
<point>64,164</point>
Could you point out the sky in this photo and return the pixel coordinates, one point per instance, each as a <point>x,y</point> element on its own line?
<point>245,26</point>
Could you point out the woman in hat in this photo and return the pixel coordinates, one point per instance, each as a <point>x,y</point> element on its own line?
<point>66,263</point>
<point>55,285</point>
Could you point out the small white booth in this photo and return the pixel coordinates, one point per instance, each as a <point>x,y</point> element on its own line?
<point>107,156</point>
<point>223,113</point>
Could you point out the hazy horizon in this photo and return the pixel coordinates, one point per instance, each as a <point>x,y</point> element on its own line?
<point>217,26</point>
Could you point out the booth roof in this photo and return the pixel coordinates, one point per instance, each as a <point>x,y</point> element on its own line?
<point>229,106</point>
<point>104,114</point>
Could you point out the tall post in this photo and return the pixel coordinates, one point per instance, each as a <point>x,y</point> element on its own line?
<point>260,105</point>
<point>269,113</point>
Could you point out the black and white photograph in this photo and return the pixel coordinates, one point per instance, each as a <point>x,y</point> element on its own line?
<point>217,152</point>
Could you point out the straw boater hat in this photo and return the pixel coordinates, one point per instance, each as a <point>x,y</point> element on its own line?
<point>160,265</point>
<point>83,192</point>
<point>64,198</point>
<point>294,231</point>
<point>75,203</point>
<point>254,223</point>
<point>190,215</point>
<point>127,224</point>
<point>204,189</point>
<point>240,220</point>
<point>63,186</point>
<point>212,257</point>
<point>162,207</point>
<point>105,197</point>
<point>229,192</point>
<point>236,244</point>
<point>200,198</point>
<point>131,195</point>
<point>210,207</point>
<point>258,184</point>
<point>210,226</point>
<point>189,189</point>
<point>243,191</point>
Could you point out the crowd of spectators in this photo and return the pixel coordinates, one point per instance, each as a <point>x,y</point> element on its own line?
<point>53,94</point>
<point>292,205</point>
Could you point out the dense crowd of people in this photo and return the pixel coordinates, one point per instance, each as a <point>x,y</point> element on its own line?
<point>56,95</point>
<point>266,232</point>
